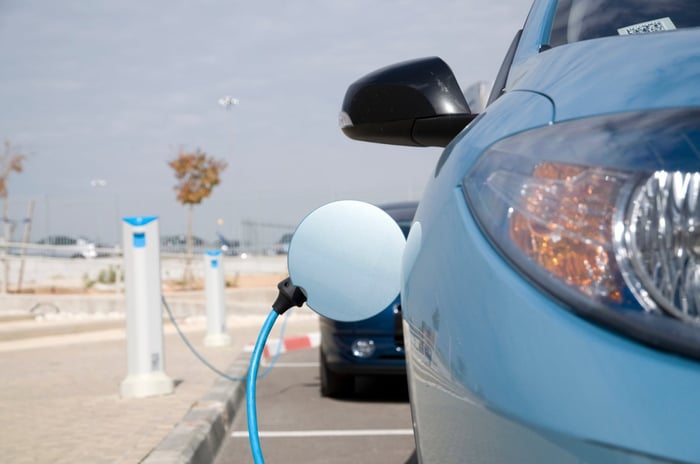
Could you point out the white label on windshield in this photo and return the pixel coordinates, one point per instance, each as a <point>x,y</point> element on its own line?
<point>655,25</point>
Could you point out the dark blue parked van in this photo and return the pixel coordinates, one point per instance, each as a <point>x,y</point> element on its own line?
<point>373,346</point>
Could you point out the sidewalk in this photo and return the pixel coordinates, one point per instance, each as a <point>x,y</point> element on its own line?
<point>59,392</point>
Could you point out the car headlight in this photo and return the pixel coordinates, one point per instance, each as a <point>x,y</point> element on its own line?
<point>659,243</point>
<point>603,213</point>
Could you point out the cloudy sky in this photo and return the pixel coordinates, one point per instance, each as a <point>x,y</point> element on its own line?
<point>109,91</point>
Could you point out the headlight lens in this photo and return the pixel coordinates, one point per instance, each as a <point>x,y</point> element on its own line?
<point>660,245</point>
<point>560,219</point>
<point>603,213</point>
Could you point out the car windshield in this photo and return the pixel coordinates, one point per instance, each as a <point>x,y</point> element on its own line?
<point>577,20</point>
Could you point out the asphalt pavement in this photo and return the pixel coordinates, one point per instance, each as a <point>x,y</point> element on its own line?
<point>298,425</point>
<point>59,389</point>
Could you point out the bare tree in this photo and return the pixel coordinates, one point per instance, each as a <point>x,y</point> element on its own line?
<point>10,161</point>
<point>197,174</point>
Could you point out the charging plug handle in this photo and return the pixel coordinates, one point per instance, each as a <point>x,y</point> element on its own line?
<point>289,295</point>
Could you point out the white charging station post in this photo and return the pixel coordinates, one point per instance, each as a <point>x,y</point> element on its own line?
<point>144,322</point>
<point>216,309</point>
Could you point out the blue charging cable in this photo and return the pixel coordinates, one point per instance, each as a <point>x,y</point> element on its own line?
<point>207,363</point>
<point>251,407</point>
<point>289,295</point>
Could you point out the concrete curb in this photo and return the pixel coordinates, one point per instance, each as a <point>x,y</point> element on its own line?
<point>198,436</point>
<point>182,304</point>
<point>33,329</point>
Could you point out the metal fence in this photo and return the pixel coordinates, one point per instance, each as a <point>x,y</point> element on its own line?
<point>74,226</point>
<point>73,243</point>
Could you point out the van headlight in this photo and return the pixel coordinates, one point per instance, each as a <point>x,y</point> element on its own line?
<point>603,213</point>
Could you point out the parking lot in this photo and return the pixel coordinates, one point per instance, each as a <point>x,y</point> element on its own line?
<point>298,425</point>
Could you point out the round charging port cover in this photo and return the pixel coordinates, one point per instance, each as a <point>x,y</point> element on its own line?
<point>346,257</point>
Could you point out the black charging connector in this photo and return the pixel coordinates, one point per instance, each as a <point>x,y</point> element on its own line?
<point>289,295</point>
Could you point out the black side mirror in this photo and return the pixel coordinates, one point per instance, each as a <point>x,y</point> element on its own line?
<point>415,103</point>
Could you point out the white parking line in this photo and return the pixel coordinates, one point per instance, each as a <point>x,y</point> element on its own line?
<point>285,364</point>
<point>294,364</point>
<point>327,433</point>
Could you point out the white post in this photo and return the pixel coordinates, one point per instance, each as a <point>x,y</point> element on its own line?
<point>216,310</point>
<point>144,322</point>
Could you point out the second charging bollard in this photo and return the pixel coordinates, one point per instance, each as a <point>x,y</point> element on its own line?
<point>216,309</point>
<point>144,321</point>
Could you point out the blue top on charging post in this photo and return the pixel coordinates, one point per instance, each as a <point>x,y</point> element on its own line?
<point>139,220</point>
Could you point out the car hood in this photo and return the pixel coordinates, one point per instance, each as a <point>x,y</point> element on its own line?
<point>615,74</point>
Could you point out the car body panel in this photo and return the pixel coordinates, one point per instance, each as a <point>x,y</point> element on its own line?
<point>499,121</point>
<point>570,75</point>
<point>509,351</point>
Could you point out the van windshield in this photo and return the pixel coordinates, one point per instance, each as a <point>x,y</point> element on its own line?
<point>577,20</point>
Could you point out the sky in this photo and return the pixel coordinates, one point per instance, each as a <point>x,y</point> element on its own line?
<point>100,95</point>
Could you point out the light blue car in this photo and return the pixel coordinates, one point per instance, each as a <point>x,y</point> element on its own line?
<point>551,278</point>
